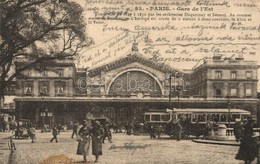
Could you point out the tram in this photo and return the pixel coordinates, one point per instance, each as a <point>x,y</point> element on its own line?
<point>193,119</point>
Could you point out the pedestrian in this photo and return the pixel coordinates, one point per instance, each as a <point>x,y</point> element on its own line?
<point>4,127</point>
<point>238,130</point>
<point>178,131</point>
<point>248,150</point>
<point>159,130</point>
<point>197,129</point>
<point>152,132</point>
<point>97,135</point>
<point>7,128</point>
<point>75,129</point>
<point>17,131</point>
<point>54,133</point>
<point>84,138</point>
<point>128,128</point>
<point>207,130</point>
<point>107,133</point>
<point>31,132</point>
<point>59,128</point>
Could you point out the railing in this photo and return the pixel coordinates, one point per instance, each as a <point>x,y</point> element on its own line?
<point>230,131</point>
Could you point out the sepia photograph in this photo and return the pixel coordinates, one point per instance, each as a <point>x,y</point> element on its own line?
<point>129,81</point>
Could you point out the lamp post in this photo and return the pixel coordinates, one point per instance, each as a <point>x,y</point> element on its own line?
<point>228,106</point>
<point>170,90</point>
<point>178,90</point>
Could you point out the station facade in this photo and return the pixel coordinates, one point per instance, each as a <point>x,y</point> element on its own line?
<point>127,87</point>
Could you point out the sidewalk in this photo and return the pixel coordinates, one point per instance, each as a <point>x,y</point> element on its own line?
<point>230,143</point>
<point>4,150</point>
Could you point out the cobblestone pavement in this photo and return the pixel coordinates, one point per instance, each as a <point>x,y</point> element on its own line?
<point>124,150</point>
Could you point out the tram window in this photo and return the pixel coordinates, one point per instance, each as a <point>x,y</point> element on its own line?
<point>223,118</point>
<point>202,118</point>
<point>147,117</point>
<point>155,118</point>
<point>188,117</point>
<point>209,117</point>
<point>165,117</point>
<point>194,118</point>
<point>174,116</point>
<point>215,117</point>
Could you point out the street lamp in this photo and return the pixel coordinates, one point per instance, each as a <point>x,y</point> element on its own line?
<point>178,90</point>
<point>170,90</point>
<point>228,106</point>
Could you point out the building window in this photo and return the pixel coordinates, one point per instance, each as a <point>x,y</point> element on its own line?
<point>59,88</point>
<point>44,88</point>
<point>28,88</point>
<point>44,73</point>
<point>248,92</point>
<point>218,92</point>
<point>233,92</point>
<point>233,75</point>
<point>248,74</point>
<point>218,74</point>
<point>28,72</point>
<point>60,73</point>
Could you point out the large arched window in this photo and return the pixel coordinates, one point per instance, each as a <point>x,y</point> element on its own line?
<point>135,82</point>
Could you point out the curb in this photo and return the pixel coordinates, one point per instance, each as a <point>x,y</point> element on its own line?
<point>215,142</point>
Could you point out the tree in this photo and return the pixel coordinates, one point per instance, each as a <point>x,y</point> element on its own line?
<point>38,31</point>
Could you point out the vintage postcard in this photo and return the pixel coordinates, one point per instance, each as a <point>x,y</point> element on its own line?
<point>129,81</point>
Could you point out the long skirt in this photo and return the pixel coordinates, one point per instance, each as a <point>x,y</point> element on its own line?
<point>83,147</point>
<point>248,150</point>
<point>96,146</point>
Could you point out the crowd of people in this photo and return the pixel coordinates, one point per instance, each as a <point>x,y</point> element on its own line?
<point>92,131</point>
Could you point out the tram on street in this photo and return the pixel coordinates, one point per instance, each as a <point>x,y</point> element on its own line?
<point>193,120</point>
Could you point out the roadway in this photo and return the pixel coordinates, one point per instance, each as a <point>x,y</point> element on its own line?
<point>124,150</point>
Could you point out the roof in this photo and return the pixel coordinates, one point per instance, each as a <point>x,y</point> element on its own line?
<point>129,59</point>
<point>211,110</point>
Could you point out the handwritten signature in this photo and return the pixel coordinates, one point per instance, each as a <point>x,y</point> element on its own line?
<point>129,146</point>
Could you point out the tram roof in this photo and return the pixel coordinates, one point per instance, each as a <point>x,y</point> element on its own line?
<point>212,110</point>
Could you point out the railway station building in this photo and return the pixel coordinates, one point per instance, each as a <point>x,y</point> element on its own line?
<point>127,87</point>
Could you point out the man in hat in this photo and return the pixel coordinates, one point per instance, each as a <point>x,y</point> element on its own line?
<point>107,133</point>
<point>54,133</point>
<point>75,129</point>
<point>178,131</point>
